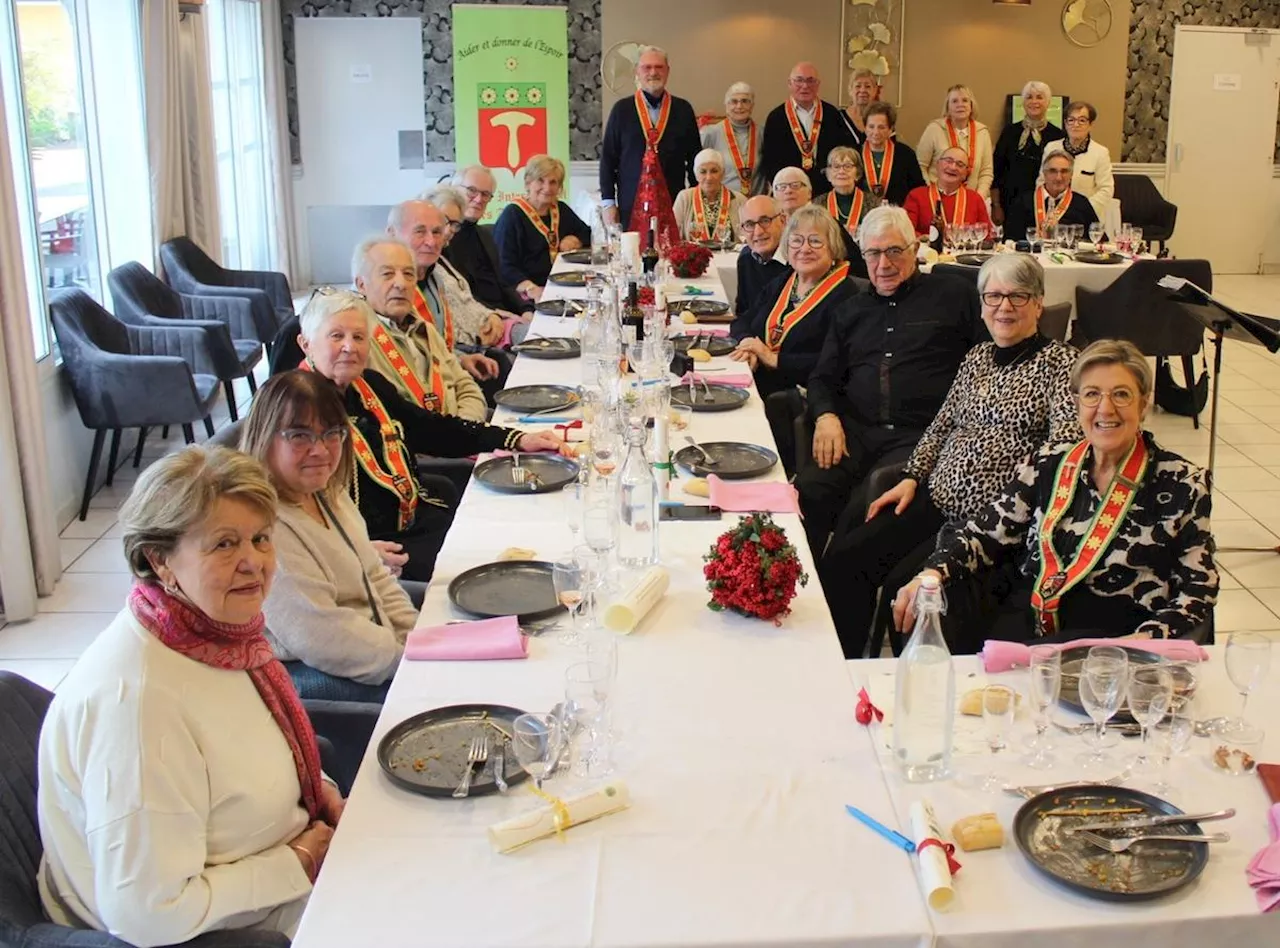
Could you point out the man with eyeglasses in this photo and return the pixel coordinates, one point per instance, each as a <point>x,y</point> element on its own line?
<point>473,252</point>
<point>949,201</point>
<point>889,358</point>
<point>1050,204</point>
<point>763,259</point>
<point>801,132</point>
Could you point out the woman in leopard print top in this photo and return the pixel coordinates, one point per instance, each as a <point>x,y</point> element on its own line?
<point>1010,398</point>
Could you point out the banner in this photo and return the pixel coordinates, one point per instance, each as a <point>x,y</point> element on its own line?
<point>511,91</point>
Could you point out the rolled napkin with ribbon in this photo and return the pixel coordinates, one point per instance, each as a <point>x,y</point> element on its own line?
<point>558,815</point>
<point>736,381</point>
<point>748,496</point>
<point>1000,656</point>
<point>625,614</point>
<point>480,641</point>
<point>1263,870</point>
<point>937,862</point>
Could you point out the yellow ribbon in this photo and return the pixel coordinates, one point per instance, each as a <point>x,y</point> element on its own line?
<point>560,812</point>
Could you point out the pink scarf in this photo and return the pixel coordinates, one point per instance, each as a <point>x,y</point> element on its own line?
<point>187,630</point>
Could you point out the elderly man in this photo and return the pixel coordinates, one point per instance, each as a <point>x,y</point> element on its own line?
<point>801,131</point>
<point>763,259</point>
<point>890,170</point>
<point>949,200</point>
<point>472,250</point>
<point>1051,203</point>
<point>889,358</point>
<point>736,136</point>
<point>651,115</point>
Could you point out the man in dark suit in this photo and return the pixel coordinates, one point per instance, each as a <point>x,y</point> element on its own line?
<point>762,260</point>
<point>472,250</point>
<point>1052,203</point>
<point>801,132</point>
<point>651,112</point>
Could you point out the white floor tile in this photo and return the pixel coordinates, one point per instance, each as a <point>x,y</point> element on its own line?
<point>1248,398</point>
<point>1224,456</point>
<point>1233,480</point>
<point>1225,579</point>
<point>1239,435</point>
<point>1268,413</point>
<point>1258,504</point>
<point>1238,610</point>
<point>52,635</point>
<point>71,548</point>
<point>1271,599</point>
<point>105,556</point>
<point>47,673</point>
<point>88,592</point>
<point>1243,533</point>
<point>1267,455</point>
<point>93,526</point>
<point>1224,509</point>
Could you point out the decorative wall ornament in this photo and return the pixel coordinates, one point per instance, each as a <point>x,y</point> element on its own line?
<point>1086,22</point>
<point>872,31</point>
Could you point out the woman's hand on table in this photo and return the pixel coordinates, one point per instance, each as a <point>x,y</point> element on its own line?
<point>754,352</point>
<point>829,445</point>
<point>546,441</point>
<point>311,846</point>
<point>530,291</point>
<point>900,496</point>
<point>570,243</point>
<point>904,604</point>
<point>391,555</point>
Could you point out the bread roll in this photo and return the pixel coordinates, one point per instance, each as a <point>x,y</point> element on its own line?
<point>971,702</point>
<point>697,486</point>
<point>980,831</point>
<point>686,316</point>
<point>699,355</point>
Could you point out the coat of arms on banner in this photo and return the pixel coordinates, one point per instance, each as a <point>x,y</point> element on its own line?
<point>512,123</point>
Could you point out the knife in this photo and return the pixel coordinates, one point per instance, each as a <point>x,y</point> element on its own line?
<point>1152,821</point>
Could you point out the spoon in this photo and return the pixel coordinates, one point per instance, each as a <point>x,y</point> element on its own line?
<point>707,460</point>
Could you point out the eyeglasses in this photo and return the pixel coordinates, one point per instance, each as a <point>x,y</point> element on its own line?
<point>1016,300</point>
<point>454,226</point>
<point>299,438</point>
<point>741,101</point>
<point>1078,120</point>
<point>842,166</point>
<point>958,162</point>
<point>1092,397</point>
<point>760,222</point>
<point>805,80</point>
<point>790,186</point>
<point>796,241</point>
<point>476,192</point>
<point>336,291</point>
<point>892,254</point>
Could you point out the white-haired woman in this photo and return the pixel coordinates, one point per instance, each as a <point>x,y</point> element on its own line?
<point>959,128</point>
<point>864,88</point>
<point>1018,151</point>
<point>1091,175</point>
<point>792,189</point>
<point>708,211</point>
<point>532,229</point>
<point>736,137</point>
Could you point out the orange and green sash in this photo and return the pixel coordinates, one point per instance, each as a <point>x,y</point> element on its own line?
<point>878,179</point>
<point>1042,218</point>
<point>550,234</point>
<point>780,323</point>
<point>424,313</point>
<point>936,200</point>
<point>433,401</point>
<point>699,230</point>
<point>745,168</point>
<point>653,134</point>
<point>808,145</point>
<point>955,138</point>
<point>851,222</point>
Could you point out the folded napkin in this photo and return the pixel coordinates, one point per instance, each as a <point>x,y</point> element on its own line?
<point>746,496</point>
<point>715,378</point>
<point>1001,656</point>
<point>1263,871</point>
<point>708,331</point>
<point>483,640</point>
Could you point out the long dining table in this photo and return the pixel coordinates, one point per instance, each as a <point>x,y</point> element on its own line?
<point>738,741</point>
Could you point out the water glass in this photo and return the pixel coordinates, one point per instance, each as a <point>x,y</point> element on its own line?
<point>1033,235</point>
<point>998,705</point>
<point>1103,683</point>
<point>600,521</point>
<point>537,740</point>
<point>1046,682</point>
<point>1248,659</point>
<point>1096,230</point>
<point>1150,691</point>
<point>587,689</point>
<point>1171,736</point>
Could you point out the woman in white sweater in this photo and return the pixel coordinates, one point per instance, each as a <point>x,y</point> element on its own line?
<point>1091,175</point>
<point>336,616</point>
<point>180,789</point>
<point>958,128</point>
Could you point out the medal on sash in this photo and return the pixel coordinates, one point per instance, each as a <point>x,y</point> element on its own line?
<point>955,139</point>
<point>807,145</point>
<point>780,323</point>
<point>1056,578</point>
<point>699,230</point>
<point>745,168</point>
<point>551,234</point>
<point>936,200</point>
<point>851,222</point>
<point>431,401</point>
<point>653,134</point>
<point>878,181</point>
<point>424,313</point>
<point>1044,218</point>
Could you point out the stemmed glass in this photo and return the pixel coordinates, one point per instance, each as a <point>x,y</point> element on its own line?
<point>604,448</point>
<point>1103,681</point>
<point>1046,682</point>
<point>600,522</point>
<point>587,686</point>
<point>537,740</point>
<point>571,498</point>
<point>1248,661</point>
<point>998,705</point>
<point>1135,240</point>
<point>1096,231</point>
<point>1150,691</point>
<point>1033,235</point>
<point>569,578</point>
<point>1172,735</point>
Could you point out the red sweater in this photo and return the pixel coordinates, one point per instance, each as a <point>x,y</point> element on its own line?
<point>920,209</point>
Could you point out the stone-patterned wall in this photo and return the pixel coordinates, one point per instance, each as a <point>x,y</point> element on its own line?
<point>1151,26</point>
<point>437,65</point>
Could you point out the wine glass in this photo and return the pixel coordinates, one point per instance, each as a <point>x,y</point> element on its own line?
<point>571,501</point>
<point>587,689</point>
<point>1150,690</point>
<point>997,234</point>
<point>536,740</point>
<point>1103,681</point>
<point>604,448</point>
<point>998,705</point>
<point>1171,735</point>
<point>1046,682</point>
<point>567,574</point>
<point>600,522</point>
<point>1135,240</point>
<point>1096,230</point>
<point>1248,661</point>
<point>1032,236</point>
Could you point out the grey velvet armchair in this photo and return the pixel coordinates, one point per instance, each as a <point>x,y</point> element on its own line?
<point>189,270</point>
<point>143,299</point>
<point>130,376</point>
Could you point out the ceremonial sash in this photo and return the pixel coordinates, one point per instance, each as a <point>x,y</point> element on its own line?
<point>424,313</point>
<point>651,134</point>
<point>955,138</point>
<point>851,222</point>
<point>957,215</point>
<point>699,231</point>
<point>779,324</point>
<point>808,145</point>
<point>1056,578</point>
<point>745,168</point>
<point>431,402</point>
<point>880,180</point>
<point>550,234</point>
<point>1043,218</point>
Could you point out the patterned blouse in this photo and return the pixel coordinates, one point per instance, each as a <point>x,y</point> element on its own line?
<point>1159,565</point>
<point>1004,405</point>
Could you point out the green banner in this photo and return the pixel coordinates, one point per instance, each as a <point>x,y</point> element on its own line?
<point>510,91</point>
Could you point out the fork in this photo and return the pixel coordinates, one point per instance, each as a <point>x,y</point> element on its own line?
<point>1034,791</point>
<point>519,473</point>
<point>478,754</point>
<point>1122,845</point>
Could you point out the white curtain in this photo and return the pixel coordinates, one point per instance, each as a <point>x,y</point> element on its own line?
<point>281,164</point>
<point>180,136</point>
<point>29,558</point>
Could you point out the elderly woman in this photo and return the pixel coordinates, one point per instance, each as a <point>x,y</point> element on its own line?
<point>1011,397</point>
<point>710,210</point>
<point>180,789</point>
<point>336,616</point>
<point>791,189</point>
<point>532,229</point>
<point>890,170</point>
<point>388,431</point>
<point>783,334</point>
<point>959,128</point>
<point>1016,157</point>
<point>864,88</point>
<point>846,202</point>
<point>1109,536</point>
<point>736,136</point>
<point>1091,175</point>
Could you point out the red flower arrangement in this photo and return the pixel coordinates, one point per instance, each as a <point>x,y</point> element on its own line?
<point>753,569</point>
<point>688,260</point>
<point>644,296</point>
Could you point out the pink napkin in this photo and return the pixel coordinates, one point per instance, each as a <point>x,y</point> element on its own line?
<point>746,496</point>
<point>1001,656</point>
<point>483,640</point>
<point>715,378</point>
<point>1263,871</point>
<point>708,331</point>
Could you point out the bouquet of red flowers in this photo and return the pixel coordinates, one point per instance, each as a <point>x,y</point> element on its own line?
<point>644,296</point>
<point>688,260</point>
<point>753,569</point>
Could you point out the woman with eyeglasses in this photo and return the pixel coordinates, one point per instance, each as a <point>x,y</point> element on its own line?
<point>1010,397</point>
<point>959,128</point>
<point>1091,175</point>
<point>532,229</point>
<point>1107,536</point>
<point>710,210</point>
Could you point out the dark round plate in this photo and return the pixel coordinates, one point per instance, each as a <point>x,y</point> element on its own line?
<point>555,347</point>
<point>711,398</point>
<point>1073,661</point>
<point>715,345</point>
<point>733,460</point>
<point>527,398</point>
<point>550,472</point>
<point>576,256</point>
<point>1147,871</point>
<point>973,259</point>
<point>521,588</point>
<point>427,753</point>
<point>559,307</point>
<point>1092,256</point>
<point>569,278</point>
<point>700,308</point>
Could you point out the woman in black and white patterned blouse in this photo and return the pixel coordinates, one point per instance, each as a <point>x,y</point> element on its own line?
<point>1109,536</point>
<point>1010,397</point>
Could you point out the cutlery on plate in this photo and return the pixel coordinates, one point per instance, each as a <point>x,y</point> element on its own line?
<point>477,754</point>
<point>707,460</point>
<point>548,410</point>
<point>1124,730</point>
<point>1035,790</point>
<point>1147,822</point>
<point>500,763</point>
<point>1121,845</point>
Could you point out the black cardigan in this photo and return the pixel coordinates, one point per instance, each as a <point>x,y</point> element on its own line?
<point>474,253</point>
<point>1022,216</point>
<point>622,152</point>
<point>778,148</point>
<point>523,251</point>
<point>1016,170</point>
<point>904,176</point>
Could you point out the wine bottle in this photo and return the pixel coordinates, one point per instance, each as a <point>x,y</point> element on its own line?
<point>632,323</point>
<point>649,259</point>
<point>938,228</point>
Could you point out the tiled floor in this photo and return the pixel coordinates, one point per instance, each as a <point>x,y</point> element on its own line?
<point>1246,511</point>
